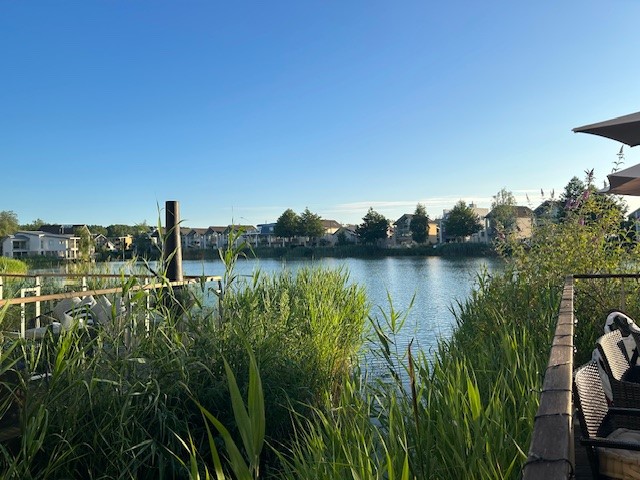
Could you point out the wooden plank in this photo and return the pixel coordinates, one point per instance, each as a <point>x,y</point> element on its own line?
<point>551,453</point>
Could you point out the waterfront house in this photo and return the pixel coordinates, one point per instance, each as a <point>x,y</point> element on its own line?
<point>481,236</point>
<point>346,234</point>
<point>213,236</point>
<point>267,236</point>
<point>248,234</point>
<point>522,225</point>
<point>103,244</point>
<point>194,238</point>
<point>402,230</point>
<point>38,243</point>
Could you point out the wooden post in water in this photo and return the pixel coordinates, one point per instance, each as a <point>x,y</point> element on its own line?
<point>173,246</point>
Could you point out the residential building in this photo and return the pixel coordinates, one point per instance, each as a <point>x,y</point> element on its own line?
<point>480,237</point>
<point>195,238</point>
<point>346,234</point>
<point>402,230</point>
<point>39,243</point>
<point>267,236</point>
<point>213,236</point>
<point>523,223</point>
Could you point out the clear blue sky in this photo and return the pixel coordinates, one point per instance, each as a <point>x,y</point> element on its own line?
<point>240,110</point>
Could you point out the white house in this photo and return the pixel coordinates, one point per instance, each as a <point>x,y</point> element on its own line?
<point>36,243</point>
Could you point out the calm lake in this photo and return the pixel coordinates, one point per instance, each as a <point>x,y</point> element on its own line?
<point>435,284</point>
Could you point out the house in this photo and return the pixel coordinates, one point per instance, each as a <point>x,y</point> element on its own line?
<point>213,236</point>
<point>267,236</point>
<point>480,237</point>
<point>330,227</point>
<point>402,230</point>
<point>242,233</point>
<point>402,234</point>
<point>122,244</point>
<point>195,238</point>
<point>523,225</point>
<point>103,244</point>
<point>40,243</point>
<point>346,234</point>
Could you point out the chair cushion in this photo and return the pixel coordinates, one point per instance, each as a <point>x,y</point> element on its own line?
<point>617,463</point>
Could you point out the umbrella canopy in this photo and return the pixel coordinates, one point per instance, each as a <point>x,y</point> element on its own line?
<point>625,129</point>
<point>624,182</point>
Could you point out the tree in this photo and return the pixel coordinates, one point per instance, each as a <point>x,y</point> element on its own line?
<point>35,225</point>
<point>462,221</point>
<point>8,223</point>
<point>97,230</point>
<point>374,227</point>
<point>311,224</point>
<point>419,224</point>
<point>287,225</point>
<point>573,191</point>
<point>504,211</point>
<point>86,243</point>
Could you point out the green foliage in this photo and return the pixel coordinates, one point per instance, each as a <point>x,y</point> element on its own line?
<point>12,265</point>
<point>35,225</point>
<point>310,224</point>
<point>120,400</point>
<point>8,223</point>
<point>86,244</point>
<point>462,221</point>
<point>503,211</point>
<point>419,224</point>
<point>288,224</point>
<point>374,227</point>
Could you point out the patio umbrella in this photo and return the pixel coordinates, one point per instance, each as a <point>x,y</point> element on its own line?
<point>624,182</point>
<point>625,129</point>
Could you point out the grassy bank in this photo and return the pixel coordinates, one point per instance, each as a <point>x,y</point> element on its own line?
<point>467,412</point>
<point>354,251</point>
<point>12,265</point>
<point>119,403</point>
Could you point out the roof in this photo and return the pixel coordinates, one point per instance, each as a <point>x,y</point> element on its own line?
<point>61,229</point>
<point>407,216</point>
<point>216,229</point>
<point>198,231</point>
<point>330,224</point>
<point>521,212</point>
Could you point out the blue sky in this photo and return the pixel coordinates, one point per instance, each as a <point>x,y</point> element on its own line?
<point>240,110</point>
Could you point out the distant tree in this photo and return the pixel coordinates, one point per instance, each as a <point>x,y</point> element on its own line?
<point>287,225</point>
<point>311,224</point>
<point>462,221</point>
<point>86,242</point>
<point>374,227</point>
<point>419,224</point>
<point>504,211</point>
<point>35,225</point>
<point>119,230</point>
<point>573,191</point>
<point>8,223</point>
<point>97,230</point>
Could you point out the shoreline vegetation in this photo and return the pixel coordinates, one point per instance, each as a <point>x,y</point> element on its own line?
<point>344,251</point>
<point>267,383</point>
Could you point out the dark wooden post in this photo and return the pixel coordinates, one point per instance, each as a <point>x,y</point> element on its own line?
<point>173,245</point>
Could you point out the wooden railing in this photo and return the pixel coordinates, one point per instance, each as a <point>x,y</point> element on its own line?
<point>150,283</point>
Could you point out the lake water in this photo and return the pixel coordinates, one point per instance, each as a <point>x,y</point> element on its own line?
<point>435,284</point>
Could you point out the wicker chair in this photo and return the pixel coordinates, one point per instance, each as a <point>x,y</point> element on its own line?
<point>623,377</point>
<point>613,450</point>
